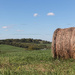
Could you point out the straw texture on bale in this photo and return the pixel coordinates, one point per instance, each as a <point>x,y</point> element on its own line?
<point>63,43</point>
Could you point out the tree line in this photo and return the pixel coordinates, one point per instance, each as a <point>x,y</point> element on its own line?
<point>29,44</point>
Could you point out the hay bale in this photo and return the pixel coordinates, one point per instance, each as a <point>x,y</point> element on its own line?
<point>63,43</point>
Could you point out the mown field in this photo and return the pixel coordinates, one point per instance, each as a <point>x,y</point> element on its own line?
<point>18,61</point>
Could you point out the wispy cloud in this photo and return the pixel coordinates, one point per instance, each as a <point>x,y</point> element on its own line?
<point>4,27</point>
<point>69,24</point>
<point>50,14</point>
<point>28,34</point>
<point>36,14</point>
<point>6,30</point>
<point>19,30</point>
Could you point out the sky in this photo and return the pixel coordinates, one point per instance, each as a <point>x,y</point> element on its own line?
<point>37,19</point>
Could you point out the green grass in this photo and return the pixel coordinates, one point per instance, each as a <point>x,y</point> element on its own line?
<point>18,61</point>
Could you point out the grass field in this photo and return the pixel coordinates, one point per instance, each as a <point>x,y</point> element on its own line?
<point>18,61</point>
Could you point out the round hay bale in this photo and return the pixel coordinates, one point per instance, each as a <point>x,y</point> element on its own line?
<point>63,43</point>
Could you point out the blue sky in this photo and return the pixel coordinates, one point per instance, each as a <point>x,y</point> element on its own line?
<point>35,18</point>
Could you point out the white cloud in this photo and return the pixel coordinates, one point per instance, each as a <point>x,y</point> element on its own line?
<point>4,27</point>
<point>50,14</point>
<point>36,14</point>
